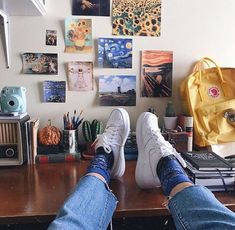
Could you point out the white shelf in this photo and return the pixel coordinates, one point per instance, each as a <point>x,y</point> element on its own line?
<point>4,20</point>
<point>23,7</point>
<point>17,8</point>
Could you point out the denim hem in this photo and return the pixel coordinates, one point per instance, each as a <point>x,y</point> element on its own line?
<point>90,206</point>
<point>104,181</point>
<point>188,187</point>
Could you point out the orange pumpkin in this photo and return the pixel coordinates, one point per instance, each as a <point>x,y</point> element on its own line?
<point>49,135</point>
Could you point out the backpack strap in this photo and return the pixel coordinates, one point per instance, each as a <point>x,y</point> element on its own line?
<point>200,67</point>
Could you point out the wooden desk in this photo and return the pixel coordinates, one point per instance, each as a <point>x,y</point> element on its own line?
<point>35,193</point>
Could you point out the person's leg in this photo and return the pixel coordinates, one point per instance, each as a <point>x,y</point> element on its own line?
<point>192,207</point>
<point>196,208</point>
<point>91,205</point>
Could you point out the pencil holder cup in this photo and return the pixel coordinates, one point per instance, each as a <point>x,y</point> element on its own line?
<point>70,141</point>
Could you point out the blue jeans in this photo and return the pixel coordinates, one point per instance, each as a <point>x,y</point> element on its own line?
<point>89,207</point>
<point>196,207</point>
<point>92,205</point>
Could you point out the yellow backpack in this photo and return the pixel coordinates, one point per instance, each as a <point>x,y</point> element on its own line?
<point>209,95</point>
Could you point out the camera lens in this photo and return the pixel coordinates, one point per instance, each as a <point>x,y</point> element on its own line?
<point>11,103</point>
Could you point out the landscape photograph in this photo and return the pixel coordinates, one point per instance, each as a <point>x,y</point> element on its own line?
<point>117,90</point>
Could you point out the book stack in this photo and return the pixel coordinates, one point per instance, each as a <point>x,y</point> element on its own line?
<point>54,154</point>
<point>57,158</point>
<point>130,148</point>
<point>210,170</point>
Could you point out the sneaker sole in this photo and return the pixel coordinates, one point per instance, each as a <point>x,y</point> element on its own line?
<point>143,173</point>
<point>119,167</point>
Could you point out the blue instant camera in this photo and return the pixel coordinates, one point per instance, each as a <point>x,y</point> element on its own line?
<point>13,99</point>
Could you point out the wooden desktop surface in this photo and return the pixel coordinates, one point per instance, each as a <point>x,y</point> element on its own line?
<point>35,193</point>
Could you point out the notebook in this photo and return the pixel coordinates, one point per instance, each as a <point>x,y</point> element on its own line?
<point>206,161</point>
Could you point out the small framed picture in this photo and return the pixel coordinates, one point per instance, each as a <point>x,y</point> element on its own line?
<point>117,90</point>
<point>78,35</point>
<point>115,53</point>
<point>80,76</point>
<point>54,91</point>
<point>156,73</point>
<point>40,63</point>
<point>51,37</point>
<point>91,7</point>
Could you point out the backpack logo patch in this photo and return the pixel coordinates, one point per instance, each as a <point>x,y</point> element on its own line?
<point>214,91</point>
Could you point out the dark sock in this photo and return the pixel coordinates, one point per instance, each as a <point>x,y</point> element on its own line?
<point>170,173</point>
<point>108,156</point>
<point>102,163</point>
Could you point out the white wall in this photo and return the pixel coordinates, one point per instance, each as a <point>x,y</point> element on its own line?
<point>191,29</point>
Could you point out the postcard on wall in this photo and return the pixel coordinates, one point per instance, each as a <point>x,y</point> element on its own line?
<point>139,18</point>
<point>114,53</point>
<point>54,91</point>
<point>78,35</point>
<point>91,7</point>
<point>156,73</point>
<point>117,90</point>
<point>51,37</point>
<point>40,63</point>
<point>80,76</point>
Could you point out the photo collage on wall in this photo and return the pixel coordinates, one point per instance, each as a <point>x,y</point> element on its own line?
<point>129,18</point>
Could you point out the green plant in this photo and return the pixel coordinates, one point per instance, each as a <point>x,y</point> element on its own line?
<point>170,112</point>
<point>90,130</point>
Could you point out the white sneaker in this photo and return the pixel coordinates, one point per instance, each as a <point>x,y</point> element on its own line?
<point>151,148</point>
<point>114,138</point>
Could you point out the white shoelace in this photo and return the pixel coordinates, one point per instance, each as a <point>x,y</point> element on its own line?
<point>166,148</point>
<point>109,137</point>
